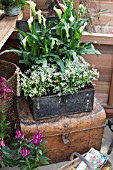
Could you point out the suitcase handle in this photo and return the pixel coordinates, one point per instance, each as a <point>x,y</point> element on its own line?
<point>82,158</point>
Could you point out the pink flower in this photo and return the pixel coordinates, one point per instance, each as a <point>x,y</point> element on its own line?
<point>3,80</point>
<point>4,90</point>
<point>37,139</point>
<point>0,158</point>
<point>19,135</point>
<point>2,143</point>
<point>25,152</point>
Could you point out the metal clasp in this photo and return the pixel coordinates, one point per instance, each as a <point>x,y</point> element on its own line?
<point>65,138</point>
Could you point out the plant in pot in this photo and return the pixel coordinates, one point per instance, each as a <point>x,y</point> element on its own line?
<point>12,7</point>
<point>21,152</point>
<point>58,79</point>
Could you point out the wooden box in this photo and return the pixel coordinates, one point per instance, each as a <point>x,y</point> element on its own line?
<point>64,134</point>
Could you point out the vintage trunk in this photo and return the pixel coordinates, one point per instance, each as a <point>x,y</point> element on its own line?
<point>64,134</point>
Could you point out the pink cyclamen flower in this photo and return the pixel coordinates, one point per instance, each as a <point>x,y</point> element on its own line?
<point>19,135</point>
<point>25,152</point>
<point>2,143</point>
<point>37,139</point>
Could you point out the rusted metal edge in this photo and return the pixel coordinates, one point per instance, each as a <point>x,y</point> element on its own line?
<point>76,131</point>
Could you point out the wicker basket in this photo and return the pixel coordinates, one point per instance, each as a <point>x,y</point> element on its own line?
<point>11,72</point>
<point>72,165</point>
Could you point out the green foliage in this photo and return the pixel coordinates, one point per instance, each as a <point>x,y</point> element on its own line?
<point>24,153</point>
<point>4,98</point>
<point>4,125</point>
<point>82,11</point>
<point>44,44</point>
<point>37,156</point>
<point>12,3</point>
<point>7,156</point>
<point>41,80</point>
<point>53,46</point>
<point>69,31</point>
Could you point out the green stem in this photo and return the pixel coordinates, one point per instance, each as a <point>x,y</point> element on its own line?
<point>28,163</point>
<point>2,121</point>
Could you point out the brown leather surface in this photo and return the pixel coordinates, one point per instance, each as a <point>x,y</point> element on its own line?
<point>80,131</point>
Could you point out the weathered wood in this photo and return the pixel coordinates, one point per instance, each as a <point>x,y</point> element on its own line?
<point>102,97</point>
<point>110,102</point>
<point>98,38</point>
<point>105,29</point>
<point>109,113</point>
<point>102,91</point>
<point>76,5</point>
<point>7,26</point>
<point>101,5</point>
<point>41,4</point>
<point>104,61</point>
<point>105,19</point>
<point>83,131</point>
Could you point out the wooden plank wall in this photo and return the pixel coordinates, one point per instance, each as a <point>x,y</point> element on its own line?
<point>104,64</point>
<point>104,22</point>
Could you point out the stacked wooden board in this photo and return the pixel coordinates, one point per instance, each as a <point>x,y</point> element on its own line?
<point>104,64</point>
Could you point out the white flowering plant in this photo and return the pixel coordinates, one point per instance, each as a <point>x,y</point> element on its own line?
<point>44,80</point>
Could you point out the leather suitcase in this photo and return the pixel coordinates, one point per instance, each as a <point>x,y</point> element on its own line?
<point>66,134</point>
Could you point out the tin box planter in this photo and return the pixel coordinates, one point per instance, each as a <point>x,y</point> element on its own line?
<point>23,24</point>
<point>54,105</point>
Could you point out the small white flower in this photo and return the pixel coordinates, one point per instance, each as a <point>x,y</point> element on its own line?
<point>71,18</point>
<point>44,21</point>
<point>64,7</point>
<point>58,11</point>
<point>24,41</point>
<point>39,16</point>
<point>32,5</point>
<point>30,20</point>
<point>83,27</point>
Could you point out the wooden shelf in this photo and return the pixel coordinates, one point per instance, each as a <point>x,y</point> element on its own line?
<point>7,26</point>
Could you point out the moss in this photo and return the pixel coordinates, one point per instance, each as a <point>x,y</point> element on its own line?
<point>12,3</point>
